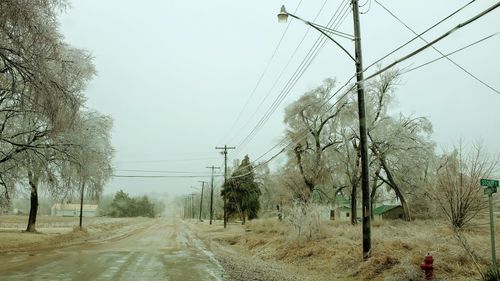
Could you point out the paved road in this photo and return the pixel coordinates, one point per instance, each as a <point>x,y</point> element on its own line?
<point>165,250</point>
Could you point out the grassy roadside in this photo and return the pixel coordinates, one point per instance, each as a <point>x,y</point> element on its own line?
<point>335,253</point>
<point>58,231</point>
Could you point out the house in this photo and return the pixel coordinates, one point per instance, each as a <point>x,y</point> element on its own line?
<point>390,212</point>
<point>73,210</point>
<point>342,210</point>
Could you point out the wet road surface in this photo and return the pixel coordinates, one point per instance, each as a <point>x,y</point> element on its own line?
<point>163,250</point>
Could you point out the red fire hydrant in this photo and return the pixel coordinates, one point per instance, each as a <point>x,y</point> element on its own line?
<point>428,267</point>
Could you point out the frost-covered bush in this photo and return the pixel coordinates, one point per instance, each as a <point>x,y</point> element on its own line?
<point>305,218</point>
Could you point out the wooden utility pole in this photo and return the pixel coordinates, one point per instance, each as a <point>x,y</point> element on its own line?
<point>365,184</point>
<point>192,205</point>
<point>185,208</point>
<point>201,197</point>
<point>212,193</point>
<point>225,148</point>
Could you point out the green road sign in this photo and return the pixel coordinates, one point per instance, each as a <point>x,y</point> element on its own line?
<point>489,183</point>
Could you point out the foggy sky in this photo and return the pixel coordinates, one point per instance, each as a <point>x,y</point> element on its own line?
<point>175,74</point>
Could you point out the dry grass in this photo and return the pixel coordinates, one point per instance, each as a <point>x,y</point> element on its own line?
<point>398,249</point>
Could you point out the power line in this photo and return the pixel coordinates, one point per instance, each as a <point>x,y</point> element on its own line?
<point>155,171</point>
<point>437,50</point>
<point>287,64</point>
<point>446,34</point>
<point>279,99</point>
<point>422,33</point>
<point>263,72</point>
<point>169,160</point>
<point>451,53</point>
<point>306,62</point>
<point>413,53</point>
<point>159,177</point>
<point>283,141</point>
<point>290,142</point>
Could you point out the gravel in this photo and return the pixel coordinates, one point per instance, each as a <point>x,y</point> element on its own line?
<point>241,268</point>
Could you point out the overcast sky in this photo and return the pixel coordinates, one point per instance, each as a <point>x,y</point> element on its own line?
<point>175,75</point>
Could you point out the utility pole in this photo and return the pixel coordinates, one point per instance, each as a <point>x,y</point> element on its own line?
<point>192,205</point>
<point>185,208</point>
<point>363,136</point>
<point>212,193</point>
<point>188,212</point>
<point>201,197</point>
<point>225,148</point>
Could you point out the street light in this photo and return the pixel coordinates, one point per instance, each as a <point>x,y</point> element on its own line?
<point>283,15</point>
<point>363,135</point>
<point>283,18</point>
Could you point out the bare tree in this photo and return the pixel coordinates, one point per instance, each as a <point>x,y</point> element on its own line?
<point>457,191</point>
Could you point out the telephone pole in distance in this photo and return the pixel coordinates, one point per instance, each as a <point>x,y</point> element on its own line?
<point>224,151</point>
<point>212,193</point>
<point>201,196</point>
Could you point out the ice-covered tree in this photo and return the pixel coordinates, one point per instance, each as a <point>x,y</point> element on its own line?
<point>242,192</point>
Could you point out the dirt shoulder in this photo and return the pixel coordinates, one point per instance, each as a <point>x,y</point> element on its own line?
<point>239,263</point>
<point>271,250</point>
<point>63,231</point>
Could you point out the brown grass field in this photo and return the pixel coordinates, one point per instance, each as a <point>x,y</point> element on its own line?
<point>335,253</point>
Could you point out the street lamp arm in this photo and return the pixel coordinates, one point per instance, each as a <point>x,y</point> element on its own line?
<point>322,32</point>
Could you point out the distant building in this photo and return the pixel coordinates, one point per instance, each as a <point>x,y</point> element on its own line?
<point>73,210</point>
<point>390,212</point>
<point>342,210</point>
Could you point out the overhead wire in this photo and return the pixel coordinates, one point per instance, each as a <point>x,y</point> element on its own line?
<point>422,33</point>
<point>437,50</point>
<point>439,38</point>
<point>155,171</point>
<point>263,73</point>
<point>168,160</point>
<point>369,2</point>
<point>159,177</point>
<point>286,66</point>
<point>295,77</point>
<point>452,53</point>
<point>312,54</point>
<point>291,142</point>
<point>385,69</point>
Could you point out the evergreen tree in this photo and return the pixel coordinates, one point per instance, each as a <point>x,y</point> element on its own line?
<point>125,206</point>
<point>242,192</point>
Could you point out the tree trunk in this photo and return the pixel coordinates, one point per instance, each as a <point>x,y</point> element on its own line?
<point>33,203</point>
<point>392,183</point>
<point>354,203</point>
<point>81,204</point>
<point>372,199</point>
<point>308,182</point>
<point>374,191</point>
<point>395,187</point>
